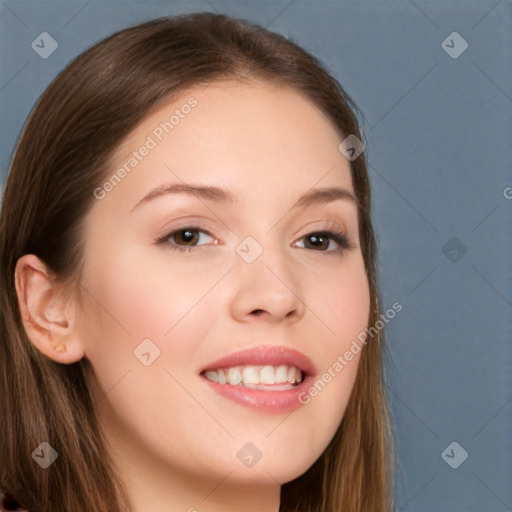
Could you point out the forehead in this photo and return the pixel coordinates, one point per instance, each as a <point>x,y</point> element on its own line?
<point>256,137</point>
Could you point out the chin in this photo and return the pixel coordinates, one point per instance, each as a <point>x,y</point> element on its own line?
<point>281,469</point>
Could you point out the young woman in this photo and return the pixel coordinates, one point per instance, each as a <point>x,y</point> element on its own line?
<point>188,281</point>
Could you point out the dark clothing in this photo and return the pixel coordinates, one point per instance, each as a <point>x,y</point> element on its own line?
<point>9,504</point>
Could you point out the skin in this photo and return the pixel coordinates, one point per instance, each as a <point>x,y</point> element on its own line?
<point>173,440</point>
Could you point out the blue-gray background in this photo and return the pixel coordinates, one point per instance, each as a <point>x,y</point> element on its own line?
<point>439,136</point>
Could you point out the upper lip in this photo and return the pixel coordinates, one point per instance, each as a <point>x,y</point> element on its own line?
<point>265,355</point>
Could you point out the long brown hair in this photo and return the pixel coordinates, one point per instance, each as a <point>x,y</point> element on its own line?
<point>62,156</point>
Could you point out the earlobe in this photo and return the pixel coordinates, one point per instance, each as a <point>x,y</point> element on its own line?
<point>47,311</point>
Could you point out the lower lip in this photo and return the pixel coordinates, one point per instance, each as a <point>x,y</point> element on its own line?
<point>268,401</point>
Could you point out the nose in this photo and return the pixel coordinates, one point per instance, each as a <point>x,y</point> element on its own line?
<point>267,289</point>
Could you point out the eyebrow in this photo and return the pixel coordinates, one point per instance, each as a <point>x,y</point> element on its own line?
<point>314,196</point>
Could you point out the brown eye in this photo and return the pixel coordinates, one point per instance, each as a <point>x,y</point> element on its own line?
<point>320,240</point>
<point>184,239</point>
<point>186,235</point>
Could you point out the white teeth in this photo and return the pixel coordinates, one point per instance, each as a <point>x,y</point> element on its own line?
<point>267,375</point>
<point>257,377</point>
<point>212,376</point>
<point>234,376</point>
<point>266,387</point>
<point>281,374</point>
<point>250,375</point>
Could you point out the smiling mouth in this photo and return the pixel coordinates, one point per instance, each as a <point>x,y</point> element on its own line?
<point>264,377</point>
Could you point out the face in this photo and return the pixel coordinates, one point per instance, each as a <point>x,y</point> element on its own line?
<point>181,284</point>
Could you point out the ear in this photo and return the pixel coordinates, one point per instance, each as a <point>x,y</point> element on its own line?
<point>48,311</point>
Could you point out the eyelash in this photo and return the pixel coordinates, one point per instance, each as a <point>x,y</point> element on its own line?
<point>331,231</point>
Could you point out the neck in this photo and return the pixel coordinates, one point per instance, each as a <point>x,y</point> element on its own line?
<point>173,492</point>
<point>154,485</point>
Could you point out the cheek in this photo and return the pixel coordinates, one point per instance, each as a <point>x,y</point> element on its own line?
<point>344,314</point>
<point>133,299</point>
<point>142,297</point>
<point>341,302</point>
<point>349,312</point>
